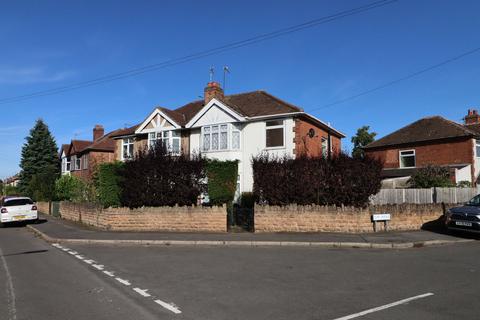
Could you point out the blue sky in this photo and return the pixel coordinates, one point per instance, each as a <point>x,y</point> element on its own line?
<point>46,44</point>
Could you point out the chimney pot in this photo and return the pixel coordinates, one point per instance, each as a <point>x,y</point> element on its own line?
<point>213,90</point>
<point>98,132</point>
<point>472,117</point>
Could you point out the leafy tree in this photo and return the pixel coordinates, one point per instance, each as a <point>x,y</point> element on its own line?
<point>1,187</point>
<point>11,191</point>
<point>39,158</point>
<point>361,139</point>
<point>68,187</point>
<point>431,176</point>
<point>42,185</point>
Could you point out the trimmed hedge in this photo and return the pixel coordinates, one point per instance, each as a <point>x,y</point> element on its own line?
<point>107,181</point>
<point>341,180</point>
<point>222,181</point>
<point>156,178</point>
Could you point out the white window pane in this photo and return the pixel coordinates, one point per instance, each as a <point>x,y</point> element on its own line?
<point>214,128</point>
<point>223,141</point>
<point>235,140</point>
<point>223,127</point>
<point>215,141</point>
<point>176,145</point>
<point>175,133</point>
<point>206,129</point>
<point>206,142</point>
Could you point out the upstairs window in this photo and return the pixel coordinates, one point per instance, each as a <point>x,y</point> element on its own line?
<point>67,164</point>
<point>220,137</point>
<point>274,134</point>
<point>170,140</point>
<point>76,163</point>
<point>407,159</point>
<point>127,148</point>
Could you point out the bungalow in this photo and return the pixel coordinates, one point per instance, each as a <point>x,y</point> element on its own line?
<point>232,127</point>
<point>80,157</point>
<point>430,141</point>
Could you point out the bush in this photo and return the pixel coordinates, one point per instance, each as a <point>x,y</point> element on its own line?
<point>72,188</point>
<point>11,191</point>
<point>341,180</point>
<point>222,181</point>
<point>108,179</point>
<point>431,176</point>
<point>156,178</point>
<point>464,184</point>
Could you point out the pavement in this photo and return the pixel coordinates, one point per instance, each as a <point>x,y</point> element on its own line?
<point>57,230</point>
<point>42,280</point>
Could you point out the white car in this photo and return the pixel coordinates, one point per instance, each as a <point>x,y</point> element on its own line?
<point>17,209</point>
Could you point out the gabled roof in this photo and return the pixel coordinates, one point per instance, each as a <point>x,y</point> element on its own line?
<point>77,146</point>
<point>426,129</point>
<point>64,148</point>
<point>105,143</point>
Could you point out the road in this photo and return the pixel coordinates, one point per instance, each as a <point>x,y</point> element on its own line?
<point>135,282</point>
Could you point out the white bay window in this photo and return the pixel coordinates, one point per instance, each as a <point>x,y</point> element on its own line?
<point>127,148</point>
<point>220,137</point>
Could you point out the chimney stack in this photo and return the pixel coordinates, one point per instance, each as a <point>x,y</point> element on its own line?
<point>472,117</point>
<point>213,90</point>
<point>98,132</point>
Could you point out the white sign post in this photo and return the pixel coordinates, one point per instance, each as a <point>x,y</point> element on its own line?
<point>385,217</point>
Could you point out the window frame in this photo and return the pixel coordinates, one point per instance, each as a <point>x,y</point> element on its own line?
<point>130,142</point>
<point>85,162</point>
<point>160,135</point>
<point>280,126</point>
<point>400,158</point>
<point>477,146</point>
<point>208,130</point>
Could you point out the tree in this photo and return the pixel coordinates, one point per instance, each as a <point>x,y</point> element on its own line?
<point>360,140</point>
<point>1,187</point>
<point>39,158</point>
<point>431,176</point>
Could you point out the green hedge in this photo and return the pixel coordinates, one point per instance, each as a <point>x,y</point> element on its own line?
<point>108,184</point>
<point>222,181</point>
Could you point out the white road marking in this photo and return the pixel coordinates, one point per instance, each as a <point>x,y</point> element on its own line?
<point>73,252</point>
<point>98,266</point>
<point>125,282</point>
<point>169,306</point>
<point>386,306</point>
<point>90,261</point>
<point>56,245</point>
<point>109,273</point>
<point>141,292</point>
<point>65,249</point>
<point>12,310</point>
<point>79,257</point>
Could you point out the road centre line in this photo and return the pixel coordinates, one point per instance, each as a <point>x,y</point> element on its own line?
<point>122,281</point>
<point>386,306</point>
<point>168,306</point>
<point>141,292</point>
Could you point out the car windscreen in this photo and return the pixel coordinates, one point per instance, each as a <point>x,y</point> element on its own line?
<point>16,202</point>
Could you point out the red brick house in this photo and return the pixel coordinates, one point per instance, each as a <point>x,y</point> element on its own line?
<point>430,141</point>
<point>81,157</point>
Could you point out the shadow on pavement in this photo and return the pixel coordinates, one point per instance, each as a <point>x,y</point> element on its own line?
<point>438,226</point>
<point>21,224</point>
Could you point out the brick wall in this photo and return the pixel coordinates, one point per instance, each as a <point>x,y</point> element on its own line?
<point>312,146</point>
<point>181,219</point>
<point>347,219</point>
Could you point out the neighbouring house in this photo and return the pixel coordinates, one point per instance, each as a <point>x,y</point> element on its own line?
<point>430,141</point>
<point>232,127</point>
<point>81,157</point>
<point>12,181</point>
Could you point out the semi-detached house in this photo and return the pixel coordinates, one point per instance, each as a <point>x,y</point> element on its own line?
<point>232,127</point>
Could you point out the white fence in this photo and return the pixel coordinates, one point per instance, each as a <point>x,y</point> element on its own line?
<point>433,195</point>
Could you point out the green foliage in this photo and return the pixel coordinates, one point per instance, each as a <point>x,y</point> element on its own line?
<point>69,187</point>
<point>431,176</point>
<point>222,181</point>
<point>108,183</point>
<point>360,140</point>
<point>11,191</point>
<point>42,185</point>
<point>464,184</point>
<point>39,158</point>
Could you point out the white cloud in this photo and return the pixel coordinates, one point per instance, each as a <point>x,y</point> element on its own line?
<point>28,75</point>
